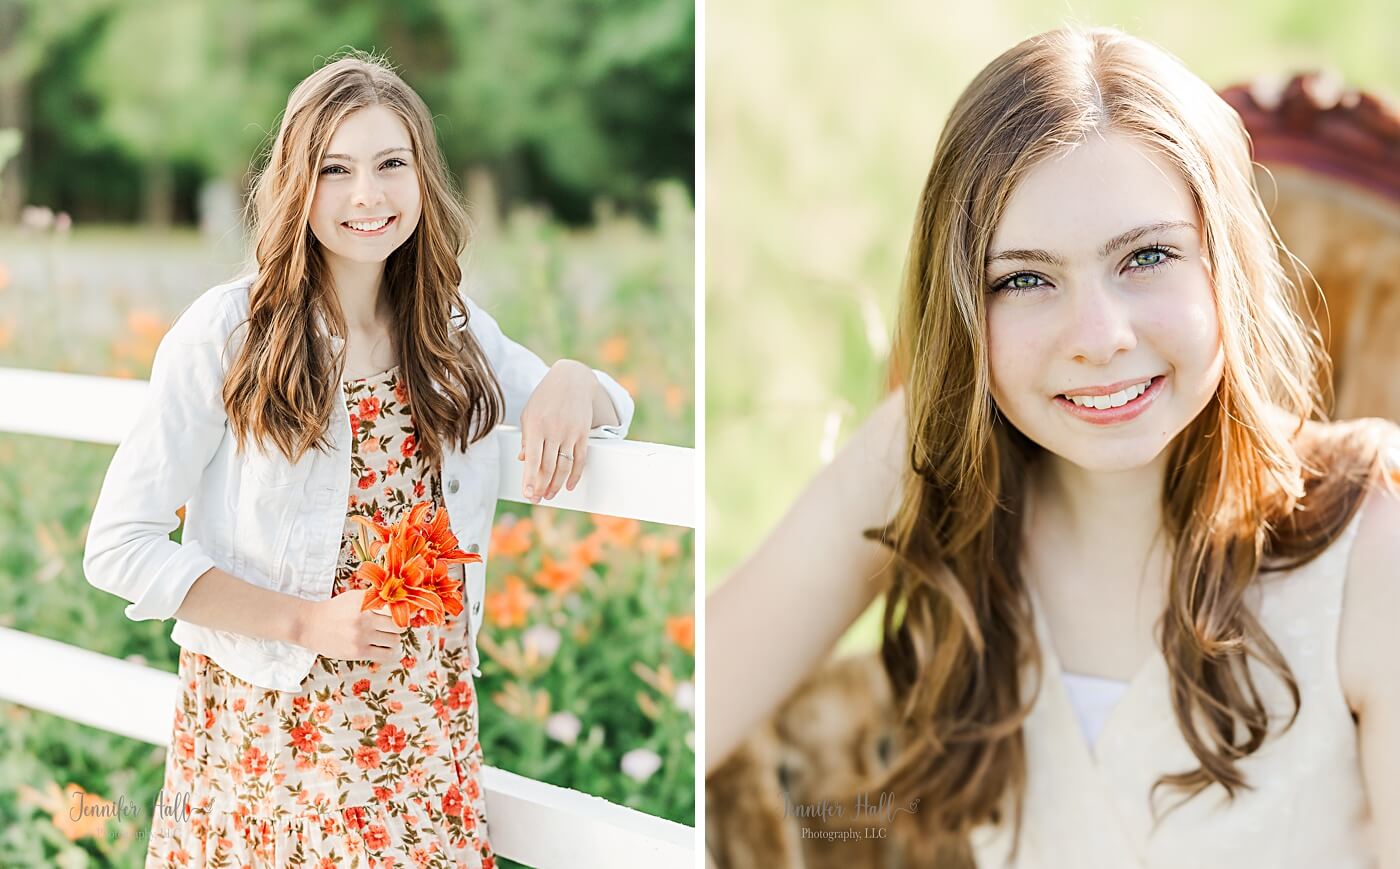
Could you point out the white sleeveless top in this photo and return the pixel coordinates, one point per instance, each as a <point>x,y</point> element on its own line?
<point>1088,809</point>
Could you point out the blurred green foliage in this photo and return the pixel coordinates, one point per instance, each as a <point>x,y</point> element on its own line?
<point>133,103</point>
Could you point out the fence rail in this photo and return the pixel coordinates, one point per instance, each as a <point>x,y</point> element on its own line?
<point>532,822</point>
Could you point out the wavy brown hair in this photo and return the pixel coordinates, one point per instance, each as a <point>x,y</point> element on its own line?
<point>958,626</point>
<point>283,382</point>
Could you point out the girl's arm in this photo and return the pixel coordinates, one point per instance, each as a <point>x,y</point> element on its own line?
<point>1370,660</point>
<point>157,466</point>
<point>558,408</point>
<point>785,607</point>
<point>520,371</point>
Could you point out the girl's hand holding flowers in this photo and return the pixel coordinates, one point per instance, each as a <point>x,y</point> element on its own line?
<point>407,568</point>
<point>554,428</point>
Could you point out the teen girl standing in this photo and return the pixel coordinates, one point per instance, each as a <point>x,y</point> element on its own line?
<point>349,377</point>
<point>1140,598</point>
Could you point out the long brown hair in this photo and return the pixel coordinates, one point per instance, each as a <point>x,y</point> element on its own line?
<point>958,625</point>
<point>282,383</point>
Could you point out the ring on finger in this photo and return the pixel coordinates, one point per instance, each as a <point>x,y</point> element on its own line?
<point>568,457</point>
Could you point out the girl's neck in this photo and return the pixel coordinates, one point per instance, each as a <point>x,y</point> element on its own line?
<point>1101,518</point>
<point>358,286</point>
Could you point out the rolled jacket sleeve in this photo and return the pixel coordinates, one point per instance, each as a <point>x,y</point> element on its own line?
<point>155,470</point>
<point>519,370</point>
<point>622,403</point>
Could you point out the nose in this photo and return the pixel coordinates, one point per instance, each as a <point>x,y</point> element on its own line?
<point>367,191</point>
<point>1100,324</point>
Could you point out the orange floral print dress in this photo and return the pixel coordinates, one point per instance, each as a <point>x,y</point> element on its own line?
<point>367,765</point>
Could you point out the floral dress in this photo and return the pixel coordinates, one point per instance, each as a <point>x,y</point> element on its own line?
<point>367,765</point>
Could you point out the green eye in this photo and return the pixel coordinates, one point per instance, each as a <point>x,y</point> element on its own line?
<point>1149,257</point>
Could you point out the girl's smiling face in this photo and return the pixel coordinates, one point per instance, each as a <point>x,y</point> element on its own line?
<point>367,199</point>
<point>1102,333</point>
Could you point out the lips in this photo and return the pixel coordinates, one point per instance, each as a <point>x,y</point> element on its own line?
<point>380,225</point>
<point>1138,403</point>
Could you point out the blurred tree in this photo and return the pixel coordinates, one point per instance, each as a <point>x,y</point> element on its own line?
<point>593,98</point>
<point>28,29</point>
<point>564,102</point>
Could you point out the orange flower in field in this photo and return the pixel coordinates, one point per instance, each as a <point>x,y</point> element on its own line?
<point>662,547</point>
<point>681,630</point>
<point>145,324</point>
<point>675,399</point>
<point>613,350</point>
<point>509,608</point>
<point>560,577</point>
<point>92,820</point>
<point>146,329</point>
<point>616,530</point>
<point>588,551</point>
<point>512,539</point>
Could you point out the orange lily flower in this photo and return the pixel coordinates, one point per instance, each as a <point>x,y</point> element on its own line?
<point>513,538</point>
<point>510,608</point>
<point>681,630</point>
<point>447,587</point>
<point>399,584</point>
<point>415,581</point>
<point>443,543</point>
<point>560,577</point>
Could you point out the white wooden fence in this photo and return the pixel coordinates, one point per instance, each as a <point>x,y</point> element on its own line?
<point>535,823</point>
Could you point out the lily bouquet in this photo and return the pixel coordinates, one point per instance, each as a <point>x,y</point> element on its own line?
<point>406,566</point>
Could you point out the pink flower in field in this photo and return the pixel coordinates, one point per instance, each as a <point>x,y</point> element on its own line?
<point>640,764</point>
<point>542,640</point>
<point>563,727</point>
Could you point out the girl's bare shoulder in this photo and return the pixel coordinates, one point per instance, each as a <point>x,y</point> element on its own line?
<point>1371,600</point>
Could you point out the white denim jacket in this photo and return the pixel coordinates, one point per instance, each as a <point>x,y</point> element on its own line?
<point>256,515</point>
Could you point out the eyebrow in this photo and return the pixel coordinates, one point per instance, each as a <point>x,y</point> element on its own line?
<point>375,157</point>
<point>1119,240</point>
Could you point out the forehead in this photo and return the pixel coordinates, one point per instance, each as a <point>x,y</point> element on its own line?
<point>1073,202</point>
<point>369,130</point>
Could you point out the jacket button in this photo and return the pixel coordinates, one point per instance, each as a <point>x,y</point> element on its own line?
<point>452,485</point>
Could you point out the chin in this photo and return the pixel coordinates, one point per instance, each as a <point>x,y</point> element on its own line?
<point>1110,458</point>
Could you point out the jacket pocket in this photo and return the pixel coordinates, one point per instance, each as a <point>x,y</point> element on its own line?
<point>264,521</point>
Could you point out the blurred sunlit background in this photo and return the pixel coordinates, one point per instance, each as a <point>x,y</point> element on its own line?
<point>821,123</point>
<point>127,132</point>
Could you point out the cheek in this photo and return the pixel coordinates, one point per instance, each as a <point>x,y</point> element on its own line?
<point>323,207</point>
<point>408,193</point>
<point>1186,324</point>
<point>1016,349</point>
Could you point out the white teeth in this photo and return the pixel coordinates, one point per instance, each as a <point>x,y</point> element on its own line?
<point>367,225</point>
<point>1117,399</point>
